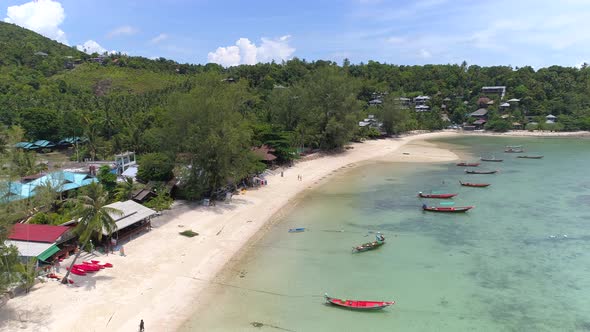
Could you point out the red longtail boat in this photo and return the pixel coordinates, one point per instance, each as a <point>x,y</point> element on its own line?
<point>420,194</point>
<point>477,185</point>
<point>446,209</point>
<point>468,164</point>
<point>358,305</point>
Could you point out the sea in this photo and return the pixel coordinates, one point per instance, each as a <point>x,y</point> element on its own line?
<point>518,261</point>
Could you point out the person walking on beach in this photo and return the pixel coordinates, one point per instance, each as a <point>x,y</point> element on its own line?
<point>141,327</point>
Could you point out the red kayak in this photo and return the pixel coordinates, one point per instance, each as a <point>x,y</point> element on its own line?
<point>420,194</point>
<point>477,185</point>
<point>468,164</point>
<point>446,209</point>
<point>358,305</point>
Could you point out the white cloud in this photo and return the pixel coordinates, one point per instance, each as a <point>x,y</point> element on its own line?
<point>125,30</point>
<point>41,16</point>
<point>159,38</point>
<point>424,54</point>
<point>246,52</point>
<point>90,46</point>
<point>395,40</point>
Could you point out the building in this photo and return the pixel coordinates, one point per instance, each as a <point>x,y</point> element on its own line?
<point>514,101</point>
<point>42,242</point>
<point>421,100</point>
<point>370,122</point>
<point>264,152</point>
<point>134,219</point>
<point>550,119</point>
<point>375,102</point>
<point>504,106</point>
<point>61,182</point>
<point>124,160</point>
<point>422,108</point>
<point>481,116</point>
<point>497,90</point>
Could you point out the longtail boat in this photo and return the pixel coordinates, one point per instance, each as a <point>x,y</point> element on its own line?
<point>446,209</point>
<point>493,159</point>
<point>511,150</point>
<point>513,146</point>
<point>444,196</point>
<point>468,164</point>
<point>477,185</point>
<point>480,172</point>
<point>358,305</point>
<point>530,157</point>
<point>297,230</point>
<point>368,246</point>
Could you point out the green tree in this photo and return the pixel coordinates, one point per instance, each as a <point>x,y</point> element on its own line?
<point>107,179</point>
<point>94,218</point>
<point>124,189</point>
<point>155,167</point>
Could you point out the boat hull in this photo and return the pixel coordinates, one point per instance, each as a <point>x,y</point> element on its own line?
<point>530,157</point>
<point>468,164</point>
<point>493,160</point>
<point>441,209</point>
<point>475,185</point>
<point>368,246</point>
<point>480,172</point>
<point>441,196</point>
<point>358,305</point>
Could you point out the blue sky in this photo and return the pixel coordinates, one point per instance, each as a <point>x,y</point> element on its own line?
<point>501,32</point>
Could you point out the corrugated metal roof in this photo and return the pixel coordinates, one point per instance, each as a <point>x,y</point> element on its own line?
<point>132,213</point>
<point>29,249</point>
<point>37,233</point>
<point>480,112</point>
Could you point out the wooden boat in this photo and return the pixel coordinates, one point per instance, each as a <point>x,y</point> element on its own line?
<point>511,150</point>
<point>443,196</point>
<point>468,164</point>
<point>446,209</point>
<point>368,246</point>
<point>492,159</point>
<point>480,172</point>
<point>296,230</point>
<point>477,185</point>
<point>530,157</point>
<point>358,305</point>
<point>514,146</point>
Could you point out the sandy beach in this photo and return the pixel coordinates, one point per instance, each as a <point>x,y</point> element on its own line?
<point>163,274</point>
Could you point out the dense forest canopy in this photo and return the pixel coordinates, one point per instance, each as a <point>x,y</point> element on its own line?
<point>118,102</point>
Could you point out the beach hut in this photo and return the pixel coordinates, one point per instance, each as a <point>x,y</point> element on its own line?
<point>135,219</point>
<point>550,118</point>
<point>42,242</point>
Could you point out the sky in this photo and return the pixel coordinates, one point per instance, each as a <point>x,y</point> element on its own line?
<point>538,33</point>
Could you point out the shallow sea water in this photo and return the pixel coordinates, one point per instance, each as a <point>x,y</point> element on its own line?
<point>495,268</point>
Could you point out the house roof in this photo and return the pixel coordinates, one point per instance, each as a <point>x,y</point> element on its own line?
<point>132,213</point>
<point>44,144</point>
<point>37,233</point>
<point>550,116</point>
<point>505,105</point>
<point>479,122</point>
<point>479,112</point>
<point>26,145</point>
<point>264,152</point>
<point>60,181</point>
<point>513,100</point>
<point>30,249</point>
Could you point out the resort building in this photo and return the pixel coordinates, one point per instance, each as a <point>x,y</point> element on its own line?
<point>550,118</point>
<point>42,242</point>
<point>494,90</point>
<point>421,100</point>
<point>61,182</point>
<point>422,108</point>
<point>135,218</point>
<point>124,161</point>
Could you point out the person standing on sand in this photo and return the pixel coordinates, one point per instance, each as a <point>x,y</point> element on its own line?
<point>141,327</point>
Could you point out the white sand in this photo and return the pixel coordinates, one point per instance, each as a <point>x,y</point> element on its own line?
<point>163,273</point>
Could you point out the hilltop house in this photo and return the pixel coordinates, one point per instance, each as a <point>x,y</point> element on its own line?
<point>494,90</point>
<point>550,119</point>
<point>481,117</point>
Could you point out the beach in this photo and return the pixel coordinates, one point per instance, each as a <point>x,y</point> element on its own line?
<point>163,274</point>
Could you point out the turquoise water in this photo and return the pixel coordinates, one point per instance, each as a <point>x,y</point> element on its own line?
<point>495,268</point>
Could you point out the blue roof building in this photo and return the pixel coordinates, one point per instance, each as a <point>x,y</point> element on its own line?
<point>62,181</point>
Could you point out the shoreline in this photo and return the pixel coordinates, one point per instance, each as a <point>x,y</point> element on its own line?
<point>164,274</point>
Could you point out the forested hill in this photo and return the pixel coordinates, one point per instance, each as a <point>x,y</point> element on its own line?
<point>53,91</point>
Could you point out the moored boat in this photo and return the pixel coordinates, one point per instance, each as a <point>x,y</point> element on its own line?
<point>297,230</point>
<point>530,157</point>
<point>493,159</point>
<point>511,150</point>
<point>477,185</point>
<point>443,196</point>
<point>468,164</point>
<point>379,241</point>
<point>514,146</point>
<point>358,305</point>
<point>446,209</point>
<point>480,172</point>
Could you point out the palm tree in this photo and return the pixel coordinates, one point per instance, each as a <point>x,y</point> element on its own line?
<point>93,217</point>
<point>124,189</point>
